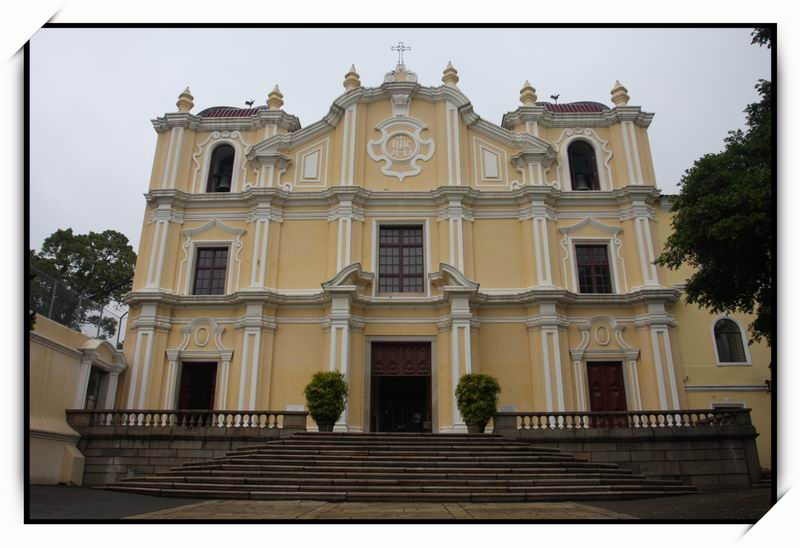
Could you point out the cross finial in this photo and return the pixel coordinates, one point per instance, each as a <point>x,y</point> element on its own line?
<point>400,48</point>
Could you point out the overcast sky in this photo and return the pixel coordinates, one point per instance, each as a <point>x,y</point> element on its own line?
<point>94,91</point>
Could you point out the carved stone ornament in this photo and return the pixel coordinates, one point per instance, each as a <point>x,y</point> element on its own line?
<point>401,147</point>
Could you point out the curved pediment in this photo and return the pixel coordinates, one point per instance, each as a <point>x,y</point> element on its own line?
<point>400,132</point>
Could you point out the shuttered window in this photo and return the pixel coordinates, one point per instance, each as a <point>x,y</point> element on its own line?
<point>209,272</point>
<point>400,260</point>
<point>594,275</point>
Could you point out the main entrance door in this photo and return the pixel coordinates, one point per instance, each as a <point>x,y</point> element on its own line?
<point>401,387</point>
<point>606,386</point>
<point>198,383</point>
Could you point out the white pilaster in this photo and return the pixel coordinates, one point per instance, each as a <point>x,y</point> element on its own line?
<point>79,399</point>
<point>111,390</point>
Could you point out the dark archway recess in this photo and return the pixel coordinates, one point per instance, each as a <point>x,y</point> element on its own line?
<point>220,173</point>
<point>401,397</point>
<point>197,386</point>
<point>583,166</point>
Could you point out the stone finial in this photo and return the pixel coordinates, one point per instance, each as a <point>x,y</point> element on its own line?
<point>450,75</point>
<point>185,101</point>
<point>619,94</point>
<point>527,95</point>
<point>352,79</point>
<point>275,99</point>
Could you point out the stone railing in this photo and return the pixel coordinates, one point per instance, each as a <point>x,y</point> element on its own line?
<point>118,443</point>
<point>508,423</point>
<point>711,448</point>
<point>186,418</point>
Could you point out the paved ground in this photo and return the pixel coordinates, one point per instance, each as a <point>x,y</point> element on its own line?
<point>249,509</point>
<point>59,502</point>
<point>739,504</point>
<point>51,502</point>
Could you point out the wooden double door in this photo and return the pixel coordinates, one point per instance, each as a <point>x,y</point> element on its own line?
<point>400,387</point>
<point>606,386</point>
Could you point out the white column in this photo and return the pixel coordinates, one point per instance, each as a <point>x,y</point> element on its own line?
<point>636,392</point>
<point>660,381</point>
<point>644,241</point>
<point>146,367</point>
<point>460,345</point>
<point>170,388</point>
<point>79,399</point>
<point>111,390</point>
<point>540,241</point>
<point>248,377</point>
<point>258,267</point>
<point>221,397</point>
<point>339,361</point>
<point>580,385</point>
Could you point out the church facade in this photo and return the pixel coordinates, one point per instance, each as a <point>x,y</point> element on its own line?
<point>406,241</point>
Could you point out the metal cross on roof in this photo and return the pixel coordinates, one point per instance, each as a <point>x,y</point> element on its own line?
<point>400,48</point>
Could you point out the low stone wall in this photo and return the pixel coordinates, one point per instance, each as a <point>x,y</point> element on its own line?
<point>711,454</point>
<point>113,451</point>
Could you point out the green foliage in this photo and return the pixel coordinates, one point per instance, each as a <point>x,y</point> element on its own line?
<point>762,36</point>
<point>326,396</point>
<point>92,269</point>
<point>723,222</point>
<point>476,397</point>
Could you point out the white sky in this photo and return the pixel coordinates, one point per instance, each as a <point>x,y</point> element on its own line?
<point>94,91</point>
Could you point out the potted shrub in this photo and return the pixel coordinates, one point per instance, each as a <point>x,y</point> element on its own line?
<point>326,396</point>
<point>476,397</point>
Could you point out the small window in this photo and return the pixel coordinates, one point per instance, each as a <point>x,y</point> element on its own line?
<point>209,272</point>
<point>730,342</point>
<point>582,166</point>
<point>400,265</point>
<point>594,275</point>
<point>220,173</point>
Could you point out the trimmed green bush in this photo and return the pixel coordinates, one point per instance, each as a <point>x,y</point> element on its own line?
<point>326,396</point>
<point>477,397</point>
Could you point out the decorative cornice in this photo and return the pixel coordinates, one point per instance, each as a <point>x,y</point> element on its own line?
<point>439,196</point>
<point>262,118</point>
<point>549,118</point>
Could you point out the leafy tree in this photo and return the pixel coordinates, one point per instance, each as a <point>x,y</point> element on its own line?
<point>92,269</point>
<point>723,219</point>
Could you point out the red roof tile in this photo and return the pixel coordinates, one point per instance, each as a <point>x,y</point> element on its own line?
<point>229,112</point>
<point>578,106</point>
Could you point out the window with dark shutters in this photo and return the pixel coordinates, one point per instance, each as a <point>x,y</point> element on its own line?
<point>209,271</point>
<point>594,274</point>
<point>400,260</point>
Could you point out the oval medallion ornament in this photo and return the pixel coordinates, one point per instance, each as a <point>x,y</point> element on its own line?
<point>601,335</point>
<point>401,147</point>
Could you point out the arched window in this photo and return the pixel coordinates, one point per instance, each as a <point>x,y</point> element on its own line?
<point>583,166</point>
<point>730,341</point>
<point>220,172</point>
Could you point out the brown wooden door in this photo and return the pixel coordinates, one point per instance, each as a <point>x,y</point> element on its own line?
<point>400,387</point>
<point>606,386</point>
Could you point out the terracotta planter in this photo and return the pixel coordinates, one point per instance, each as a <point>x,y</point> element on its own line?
<point>476,427</point>
<point>325,427</point>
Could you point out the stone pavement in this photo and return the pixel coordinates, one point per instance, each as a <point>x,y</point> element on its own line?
<point>312,510</point>
<point>74,503</point>
<point>52,502</point>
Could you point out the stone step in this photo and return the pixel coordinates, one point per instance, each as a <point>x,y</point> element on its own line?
<point>401,467</point>
<point>357,488</point>
<point>342,496</point>
<point>399,459</point>
<point>281,450</point>
<point>323,465</point>
<point>399,447</point>
<point>555,474</point>
<point>399,481</point>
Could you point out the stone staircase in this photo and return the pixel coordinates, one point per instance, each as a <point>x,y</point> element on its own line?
<point>400,467</point>
<point>765,480</point>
